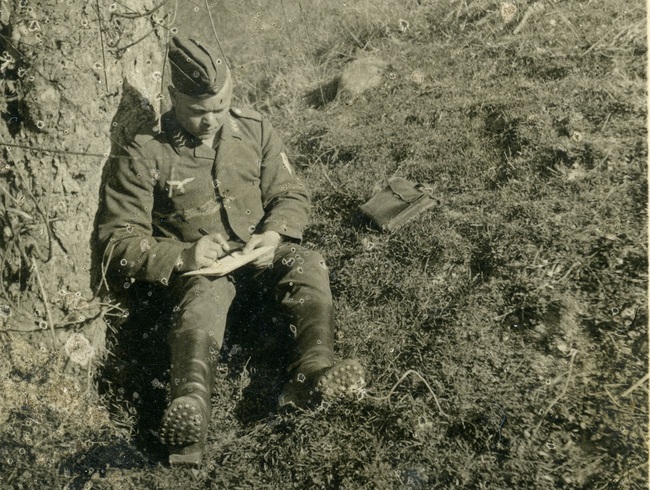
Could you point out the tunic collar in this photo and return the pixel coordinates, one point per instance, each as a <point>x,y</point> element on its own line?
<point>185,143</point>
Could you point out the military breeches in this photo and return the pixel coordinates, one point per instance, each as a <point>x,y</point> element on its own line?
<point>297,283</point>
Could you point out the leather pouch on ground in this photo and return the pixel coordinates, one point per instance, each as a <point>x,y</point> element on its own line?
<point>397,203</point>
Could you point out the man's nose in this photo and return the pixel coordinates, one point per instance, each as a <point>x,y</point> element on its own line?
<point>209,119</point>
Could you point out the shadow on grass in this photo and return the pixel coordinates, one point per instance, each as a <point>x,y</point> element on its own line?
<point>322,95</point>
<point>260,336</point>
<point>117,454</point>
<point>134,378</point>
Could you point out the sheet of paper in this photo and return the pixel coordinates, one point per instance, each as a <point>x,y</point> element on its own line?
<point>229,263</point>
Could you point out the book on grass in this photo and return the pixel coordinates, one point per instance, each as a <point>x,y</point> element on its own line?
<point>229,263</point>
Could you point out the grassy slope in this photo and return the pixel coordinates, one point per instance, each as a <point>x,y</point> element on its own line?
<point>521,300</point>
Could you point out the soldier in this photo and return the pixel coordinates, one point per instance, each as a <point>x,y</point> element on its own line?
<point>216,178</point>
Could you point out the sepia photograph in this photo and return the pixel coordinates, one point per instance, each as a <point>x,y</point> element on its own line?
<point>293,244</point>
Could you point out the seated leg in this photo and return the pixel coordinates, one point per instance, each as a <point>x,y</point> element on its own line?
<point>300,282</point>
<point>195,339</point>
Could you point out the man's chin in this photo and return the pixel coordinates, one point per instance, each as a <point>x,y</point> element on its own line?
<point>205,135</point>
<point>210,132</point>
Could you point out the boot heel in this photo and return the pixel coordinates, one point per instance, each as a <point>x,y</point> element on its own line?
<point>186,455</point>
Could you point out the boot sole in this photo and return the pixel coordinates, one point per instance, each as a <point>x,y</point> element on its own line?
<point>184,423</point>
<point>346,379</point>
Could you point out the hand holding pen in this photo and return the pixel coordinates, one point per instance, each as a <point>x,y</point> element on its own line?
<point>204,252</point>
<point>219,239</point>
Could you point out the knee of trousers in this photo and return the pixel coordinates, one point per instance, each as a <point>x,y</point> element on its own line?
<point>308,271</point>
<point>203,305</point>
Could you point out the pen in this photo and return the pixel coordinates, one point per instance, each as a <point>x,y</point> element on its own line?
<point>204,232</point>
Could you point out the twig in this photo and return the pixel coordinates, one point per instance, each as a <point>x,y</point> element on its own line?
<point>38,329</point>
<point>134,14</point>
<point>569,270</point>
<point>501,317</point>
<point>602,201</point>
<point>590,49</point>
<point>403,377</point>
<point>502,421</point>
<point>566,21</point>
<point>162,70</point>
<point>8,194</point>
<point>119,49</point>
<point>609,152</point>
<point>104,268</point>
<point>611,397</point>
<point>485,18</point>
<point>20,212</point>
<point>242,378</point>
<point>635,385</point>
<point>557,398</point>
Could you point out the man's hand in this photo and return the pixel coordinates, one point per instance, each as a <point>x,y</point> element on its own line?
<point>203,253</point>
<point>271,238</point>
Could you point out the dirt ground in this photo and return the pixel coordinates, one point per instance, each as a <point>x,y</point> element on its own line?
<point>504,331</point>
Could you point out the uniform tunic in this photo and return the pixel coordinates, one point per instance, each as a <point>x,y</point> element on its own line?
<point>169,185</point>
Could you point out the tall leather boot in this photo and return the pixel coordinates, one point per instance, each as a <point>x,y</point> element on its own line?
<point>185,422</point>
<point>315,375</point>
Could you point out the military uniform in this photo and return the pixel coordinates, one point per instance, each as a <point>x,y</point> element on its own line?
<point>169,185</point>
<point>159,193</point>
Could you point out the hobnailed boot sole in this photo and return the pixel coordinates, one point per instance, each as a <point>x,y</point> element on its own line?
<point>346,379</point>
<point>184,428</point>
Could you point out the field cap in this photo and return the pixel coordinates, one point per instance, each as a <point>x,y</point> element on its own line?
<point>195,71</point>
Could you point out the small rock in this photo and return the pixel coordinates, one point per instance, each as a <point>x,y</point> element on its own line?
<point>361,74</point>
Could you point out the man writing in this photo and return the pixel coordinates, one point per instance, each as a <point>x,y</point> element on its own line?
<point>213,179</point>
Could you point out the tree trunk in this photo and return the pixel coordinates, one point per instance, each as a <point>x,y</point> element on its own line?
<point>77,79</point>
